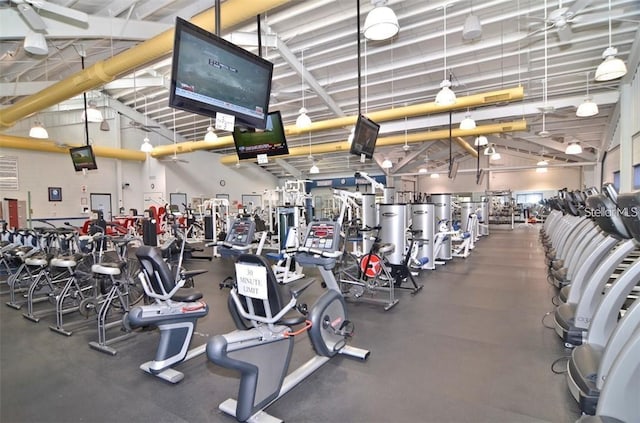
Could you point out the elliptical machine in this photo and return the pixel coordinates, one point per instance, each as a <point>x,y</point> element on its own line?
<point>261,347</point>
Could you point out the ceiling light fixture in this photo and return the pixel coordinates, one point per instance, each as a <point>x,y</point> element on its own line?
<point>146,145</point>
<point>490,150</point>
<point>422,170</point>
<point>542,166</point>
<point>611,67</point>
<point>434,175</point>
<point>573,148</point>
<point>211,135</point>
<point>35,43</point>
<point>467,122</point>
<point>92,113</point>
<point>38,131</point>
<point>387,164</point>
<point>303,121</point>
<point>472,28</point>
<point>496,156</point>
<point>381,22</point>
<point>588,108</point>
<point>445,96</point>
<point>481,141</point>
<point>314,169</point>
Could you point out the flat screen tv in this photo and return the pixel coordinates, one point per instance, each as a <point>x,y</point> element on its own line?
<point>211,75</point>
<point>365,136</point>
<point>83,158</point>
<point>272,141</point>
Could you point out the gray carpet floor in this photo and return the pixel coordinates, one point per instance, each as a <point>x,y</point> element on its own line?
<point>470,347</point>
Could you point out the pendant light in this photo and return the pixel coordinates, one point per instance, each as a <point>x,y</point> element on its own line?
<point>387,164</point>
<point>588,108</point>
<point>434,175</point>
<point>611,67</point>
<point>38,131</point>
<point>381,22</point>
<point>445,96</point>
<point>146,146</point>
<point>542,166</point>
<point>481,141</point>
<point>92,113</point>
<point>573,148</point>
<point>211,135</point>
<point>303,121</point>
<point>467,122</point>
<point>314,169</point>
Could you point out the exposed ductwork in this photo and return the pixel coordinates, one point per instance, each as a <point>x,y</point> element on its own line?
<point>233,13</point>
<point>422,109</point>
<point>8,141</point>
<point>343,146</point>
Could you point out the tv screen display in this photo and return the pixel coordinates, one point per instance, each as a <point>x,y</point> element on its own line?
<point>272,141</point>
<point>83,158</point>
<point>210,75</point>
<point>365,136</point>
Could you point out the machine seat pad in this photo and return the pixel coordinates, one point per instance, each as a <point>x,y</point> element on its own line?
<point>38,260</point>
<point>274,256</point>
<point>108,268</point>
<point>565,315</point>
<point>292,320</point>
<point>66,261</point>
<point>583,367</point>
<point>187,295</point>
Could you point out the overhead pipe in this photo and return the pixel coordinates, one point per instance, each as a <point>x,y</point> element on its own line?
<point>465,145</point>
<point>475,100</point>
<point>8,141</point>
<point>343,146</point>
<point>233,12</point>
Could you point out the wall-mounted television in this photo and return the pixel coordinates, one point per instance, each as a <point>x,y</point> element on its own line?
<point>272,141</point>
<point>83,158</point>
<point>365,136</point>
<point>211,75</point>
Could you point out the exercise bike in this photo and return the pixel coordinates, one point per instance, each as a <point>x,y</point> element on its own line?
<point>261,347</point>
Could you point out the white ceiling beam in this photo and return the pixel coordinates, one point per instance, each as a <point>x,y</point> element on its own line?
<point>288,168</point>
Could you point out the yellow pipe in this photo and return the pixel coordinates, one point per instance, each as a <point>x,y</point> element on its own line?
<point>462,143</point>
<point>233,13</point>
<point>8,141</point>
<point>343,146</point>
<point>509,94</point>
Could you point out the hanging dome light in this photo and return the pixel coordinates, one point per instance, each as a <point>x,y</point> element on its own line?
<point>92,113</point>
<point>587,109</point>
<point>38,131</point>
<point>481,141</point>
<point>422,170</point>
<point>467,122</point>
<point>542,166</point>
<point>381,22</point>
<point>146,145</point>
<point>303,121</point>
<point>314,169</point>
<point>387,164</point>
<point>434,175</point>
<point>496,156</point>
<point>573,148</point>
<point>445,96</point>
<point>612,67</point>
<point>211,135</point>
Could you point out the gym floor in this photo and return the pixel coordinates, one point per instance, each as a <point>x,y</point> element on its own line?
<point>470,347</point>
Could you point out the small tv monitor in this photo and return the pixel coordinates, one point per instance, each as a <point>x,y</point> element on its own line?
<point>83,158</point>
<point>272,141</point>
<point>211,75</point>
<point>453,169</point>
<point>365,136</point>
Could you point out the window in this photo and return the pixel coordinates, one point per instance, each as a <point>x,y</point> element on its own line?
<point>529,198</point>
<point>616,180</point>
<point>636,176</point>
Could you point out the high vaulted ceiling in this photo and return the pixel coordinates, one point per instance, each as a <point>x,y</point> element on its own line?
<point>313,45</point>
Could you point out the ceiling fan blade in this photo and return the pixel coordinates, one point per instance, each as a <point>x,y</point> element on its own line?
<point>60,10</point>
<point>576,8</point>
<point>564,34</point>
<point>31,17</point>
